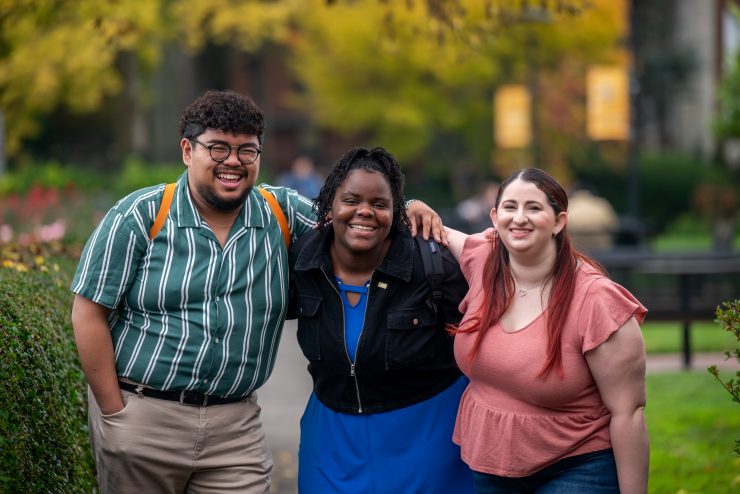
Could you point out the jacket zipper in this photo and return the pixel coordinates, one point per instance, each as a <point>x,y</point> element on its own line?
<point>352,364</point>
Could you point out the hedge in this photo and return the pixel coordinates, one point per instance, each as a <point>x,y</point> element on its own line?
<point>44,446</point>
<point>667,183</point>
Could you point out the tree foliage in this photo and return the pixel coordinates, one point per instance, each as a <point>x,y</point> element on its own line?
<point>247,24</point>
<point>55,52</point>
<point>414,72</point>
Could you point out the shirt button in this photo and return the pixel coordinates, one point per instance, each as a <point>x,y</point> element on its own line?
<point>218,298</point>
<point>217,340</point>
<point>205,380</point>
<point>415,322</point>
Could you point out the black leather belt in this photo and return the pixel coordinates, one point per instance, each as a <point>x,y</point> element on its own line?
<point>183,397</point>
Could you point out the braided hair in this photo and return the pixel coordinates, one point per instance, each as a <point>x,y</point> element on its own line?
<point>376,160</point>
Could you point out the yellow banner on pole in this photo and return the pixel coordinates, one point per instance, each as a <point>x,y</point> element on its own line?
<point>512,117</point>
<point>607,101</point>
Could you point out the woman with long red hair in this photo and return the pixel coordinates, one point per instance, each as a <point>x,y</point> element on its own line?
<point>554,354</point>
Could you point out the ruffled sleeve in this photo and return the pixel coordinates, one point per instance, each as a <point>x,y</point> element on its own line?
<point>605,308</point>
<point>475,253</point>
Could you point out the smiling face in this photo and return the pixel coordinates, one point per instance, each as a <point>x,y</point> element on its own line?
<point>525,220</point>
<point>219,187</point>
<point>362,213</point>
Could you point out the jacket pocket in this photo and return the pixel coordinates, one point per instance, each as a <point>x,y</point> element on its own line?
<point>307,310</point>
<point>412,337</point>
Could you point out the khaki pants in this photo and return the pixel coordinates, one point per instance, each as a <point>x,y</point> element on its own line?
<point>159,446</point>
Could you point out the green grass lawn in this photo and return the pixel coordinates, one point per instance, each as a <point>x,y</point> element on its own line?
<point>693,424</point>
<point>668,337</point>
<point>689,243</point>
<point>692,241</point>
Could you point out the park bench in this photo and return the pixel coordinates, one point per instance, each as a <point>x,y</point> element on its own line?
<point>683,287</point>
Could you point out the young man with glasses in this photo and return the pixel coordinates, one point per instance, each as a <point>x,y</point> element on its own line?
<point>176,332</point>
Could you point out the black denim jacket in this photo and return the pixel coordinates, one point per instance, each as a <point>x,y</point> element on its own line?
<point>404,354</point>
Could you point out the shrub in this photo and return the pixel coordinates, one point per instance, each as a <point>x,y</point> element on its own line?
<point>49,201</point>
<point>667,184</point>
<point>137,174</point>
<point>728,318</point>
<point>43,428</point>
<point>49,175</point>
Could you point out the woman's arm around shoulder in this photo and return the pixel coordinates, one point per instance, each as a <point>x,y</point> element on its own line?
<point>454,288</point>
<point>456,242</point>
<point>618,367</point>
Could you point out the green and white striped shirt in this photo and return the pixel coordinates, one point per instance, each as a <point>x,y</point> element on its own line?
<point>187,313</point>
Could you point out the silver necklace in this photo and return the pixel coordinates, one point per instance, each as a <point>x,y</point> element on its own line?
<point>522,292</point>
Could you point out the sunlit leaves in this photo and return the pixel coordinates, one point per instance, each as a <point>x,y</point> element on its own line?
<point>400,70</point>
<point>406,71</point>
<point>63,52</point>
<point>243,23</point>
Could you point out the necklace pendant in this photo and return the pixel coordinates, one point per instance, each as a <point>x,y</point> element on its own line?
<point>522,292</point>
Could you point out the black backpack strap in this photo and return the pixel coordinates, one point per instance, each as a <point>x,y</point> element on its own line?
<point>431,258</point>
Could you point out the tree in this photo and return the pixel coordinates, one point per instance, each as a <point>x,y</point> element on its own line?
<point>63,52</point>
<point>247,24</point>
<point>418,76</point>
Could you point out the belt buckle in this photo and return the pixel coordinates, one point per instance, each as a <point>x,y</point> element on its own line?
<point>184,393</point>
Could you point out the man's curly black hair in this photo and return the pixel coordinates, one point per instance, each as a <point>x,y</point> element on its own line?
<point>227,111</point>
<point>376,160</point>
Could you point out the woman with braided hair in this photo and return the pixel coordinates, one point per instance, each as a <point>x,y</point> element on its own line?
<point>385,383</point>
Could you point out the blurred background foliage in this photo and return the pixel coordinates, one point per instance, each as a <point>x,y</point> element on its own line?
<point>423,76</point>
<point>90,93</point>
<point>422,68</point>
<point>64,53</point>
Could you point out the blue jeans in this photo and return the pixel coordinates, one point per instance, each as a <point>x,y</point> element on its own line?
<point>593,473</point>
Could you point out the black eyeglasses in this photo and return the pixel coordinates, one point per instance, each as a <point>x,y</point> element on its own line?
<point>246,153</point>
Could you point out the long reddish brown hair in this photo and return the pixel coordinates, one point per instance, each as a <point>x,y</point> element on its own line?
<point>498,283</point>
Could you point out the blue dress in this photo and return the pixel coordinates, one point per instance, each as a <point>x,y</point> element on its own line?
<point>403,451</point>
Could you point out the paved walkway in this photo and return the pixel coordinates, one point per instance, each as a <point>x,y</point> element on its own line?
<point>673,362</point>
<point>282,400</point>
<point>286,392</point>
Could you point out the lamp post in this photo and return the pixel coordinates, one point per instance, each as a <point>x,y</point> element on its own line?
<point>2,143</point>
<point>533,16</point>
<point>632,186</point>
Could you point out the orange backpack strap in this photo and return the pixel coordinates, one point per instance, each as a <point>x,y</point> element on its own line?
<point>279,214</point>
<point>164,209</point>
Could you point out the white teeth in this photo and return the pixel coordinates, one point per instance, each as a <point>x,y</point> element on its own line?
<point>228,176</point>
<point>361,227</point>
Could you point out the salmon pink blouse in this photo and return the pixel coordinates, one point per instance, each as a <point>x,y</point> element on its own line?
<point>512,423</point>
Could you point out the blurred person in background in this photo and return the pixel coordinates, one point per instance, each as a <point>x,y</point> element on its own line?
<point>385,383</point>
<point>302,176</point>
<point>476,210</point>
<point>554,354</point>
<point>176,330</point>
